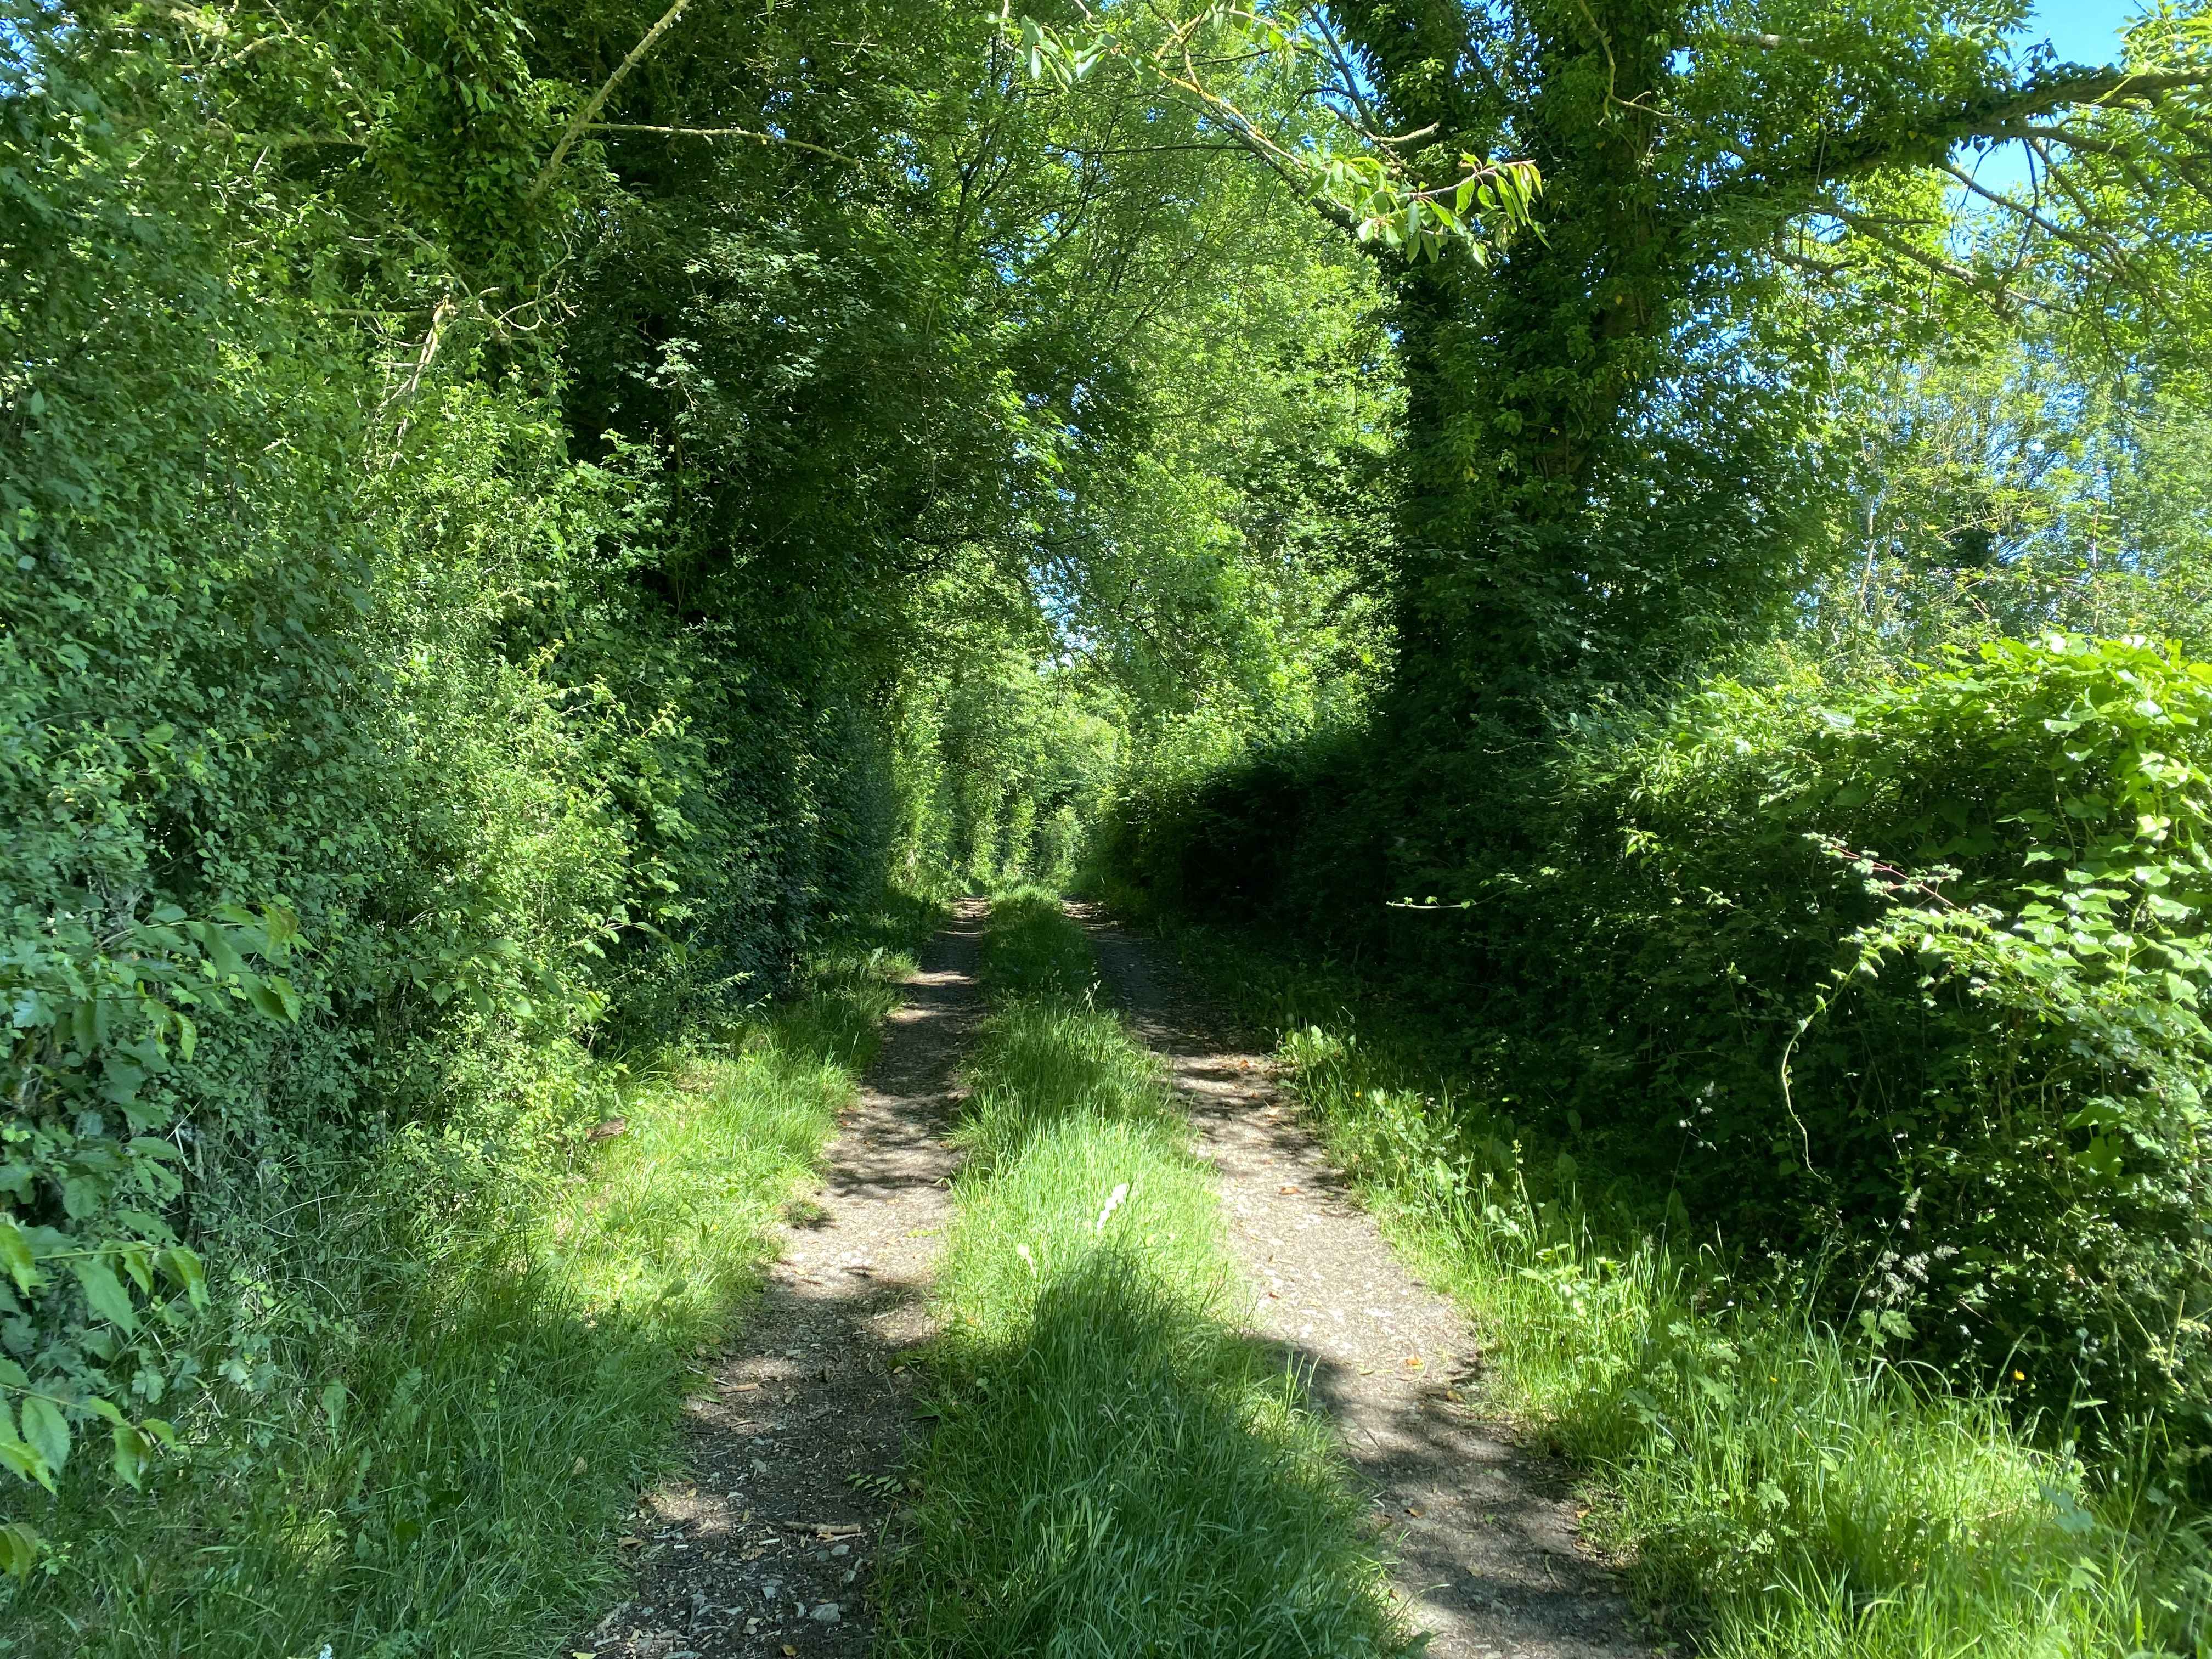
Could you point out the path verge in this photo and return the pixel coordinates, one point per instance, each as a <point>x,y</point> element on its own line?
<point>796,1433</point>
<point>1490,1558</point>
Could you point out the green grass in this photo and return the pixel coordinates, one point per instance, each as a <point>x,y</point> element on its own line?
<point>449,1389</point>
<point>1114,1471</point>
<point>1774,1490</point>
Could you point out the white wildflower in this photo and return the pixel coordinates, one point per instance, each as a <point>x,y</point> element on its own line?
<point>1113,1203</point>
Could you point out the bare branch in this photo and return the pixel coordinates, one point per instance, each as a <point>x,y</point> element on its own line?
<point>1812,267</point>
<point>1347,76</point>
<point>2066,136</point>
<point>1082,153</point>
<point>584,117</point>
<point>1876,231</point>
<point>1751,37</point>
<point>2022,208</point>
<point>2128,267</point>
<point>721,132</point>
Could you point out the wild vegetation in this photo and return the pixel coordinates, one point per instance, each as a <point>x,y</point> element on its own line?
<point>449,1377</point>
<point>1635,571</point>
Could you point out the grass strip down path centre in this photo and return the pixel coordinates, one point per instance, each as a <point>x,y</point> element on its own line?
<point>1117,1468</point>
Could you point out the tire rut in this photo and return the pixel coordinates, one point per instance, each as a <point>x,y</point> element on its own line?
<point>1490,1557</point>
<point>768,1550</point>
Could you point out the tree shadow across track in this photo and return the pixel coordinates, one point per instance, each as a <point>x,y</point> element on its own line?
<point>1489,1553</point>
<point>798,1432</point>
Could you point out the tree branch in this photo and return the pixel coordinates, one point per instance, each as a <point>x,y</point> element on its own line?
<point>1898,244</point>
<point>2024,130</point>
<point>2079,238</point>
<point>2097,89</point>
<point>721,132</point>
<point>2000,117</point>
<point>584,117</point>
<point>1751,37</point>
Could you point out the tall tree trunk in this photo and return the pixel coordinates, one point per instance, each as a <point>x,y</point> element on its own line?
<point>1523,376</point>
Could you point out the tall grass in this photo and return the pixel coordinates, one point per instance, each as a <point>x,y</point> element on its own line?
<point>1775,1489</point>
<point>447,1385</point>
<point>1114,1471</point>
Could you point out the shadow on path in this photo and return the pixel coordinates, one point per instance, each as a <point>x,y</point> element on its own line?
<point>768,1550</point>
<point>1490,1556</point>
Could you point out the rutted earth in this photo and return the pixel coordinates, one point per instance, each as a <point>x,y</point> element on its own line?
<point>768,1550</point>
<point>797,1441</point>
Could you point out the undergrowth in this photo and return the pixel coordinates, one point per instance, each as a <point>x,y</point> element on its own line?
<point>1115,1470</point>
<point>1774,1489</point>
<point>465,1364</point>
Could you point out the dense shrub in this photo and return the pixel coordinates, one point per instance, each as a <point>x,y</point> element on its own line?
<point>1904,984</point>
<point>349,774</point>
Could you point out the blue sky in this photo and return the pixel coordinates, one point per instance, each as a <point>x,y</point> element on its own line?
<point>2084,31</point>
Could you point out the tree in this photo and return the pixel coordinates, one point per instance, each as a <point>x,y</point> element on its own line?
<point>1601,419</point>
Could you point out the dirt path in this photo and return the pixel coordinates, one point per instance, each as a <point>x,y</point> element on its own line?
<point>768,1553</point>
<point>1489,1552</point>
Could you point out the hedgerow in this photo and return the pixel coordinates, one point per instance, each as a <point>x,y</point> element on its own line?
<point>349,776</point>
<point>1904,984</point>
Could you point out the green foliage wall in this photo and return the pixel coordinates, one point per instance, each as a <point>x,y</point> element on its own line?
<point>1904,984</point>
<point>507,539</point>
<point>350,774</point>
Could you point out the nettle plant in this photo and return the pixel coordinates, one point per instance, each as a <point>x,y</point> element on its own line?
<point>101,1000</point>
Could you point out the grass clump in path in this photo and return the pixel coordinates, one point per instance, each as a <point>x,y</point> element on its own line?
<point>1115,1471</point>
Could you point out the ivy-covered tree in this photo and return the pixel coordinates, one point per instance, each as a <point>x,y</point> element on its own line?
<point>1601,481</point>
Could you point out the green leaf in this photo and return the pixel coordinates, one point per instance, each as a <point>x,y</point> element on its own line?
<point>282,924</point>
<point>20,1549</point>
<point>19,1460</point>
<point>273,996</point>
<point>183,1265</point>
<point>105,1292</point>
<point>132,1456</point>
<point>215,941</point>
<point>120,1080</point>
<point>15,1254</point>
<point>47,1434</point>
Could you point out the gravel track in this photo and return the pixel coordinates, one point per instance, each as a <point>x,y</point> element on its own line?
<point>1491,1558</point>
<point>768,1551</point>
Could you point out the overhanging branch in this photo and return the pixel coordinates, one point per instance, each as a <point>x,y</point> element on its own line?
<point>584,117</point>
<point>721,132</point>
<point>1904,246</point>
